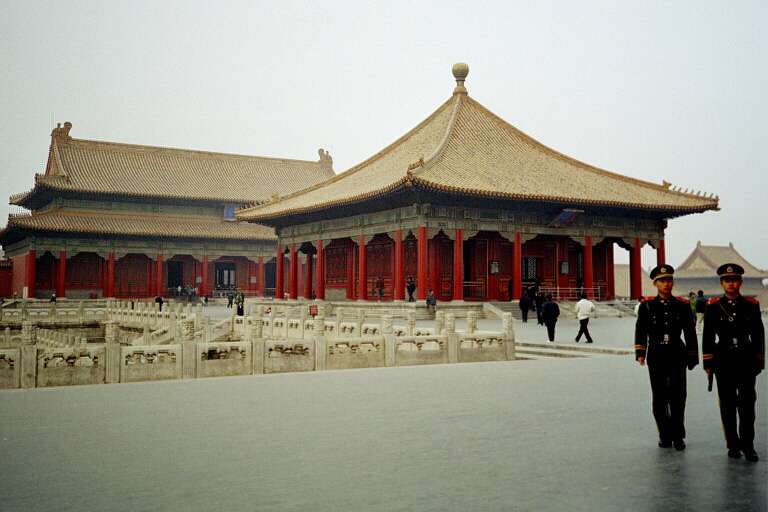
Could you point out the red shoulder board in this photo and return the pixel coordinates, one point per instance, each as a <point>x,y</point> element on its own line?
<point>683,300</point>
<point>753,300</point>
<point>713,300</point>
<point>647,298</point>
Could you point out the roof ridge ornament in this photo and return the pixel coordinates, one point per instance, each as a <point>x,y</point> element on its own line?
<point>460,71</point>
<point>325,158</point>
<point>62,132</point>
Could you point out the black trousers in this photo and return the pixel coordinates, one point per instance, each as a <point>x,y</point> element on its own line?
<point>524,312</point>
<point>584,330</point>
<point>668,385</point>
<point>551,330</point>
<point>737,394</point>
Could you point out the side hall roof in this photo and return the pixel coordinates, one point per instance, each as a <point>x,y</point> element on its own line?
<point>110,168</point>
<point>463,148</point>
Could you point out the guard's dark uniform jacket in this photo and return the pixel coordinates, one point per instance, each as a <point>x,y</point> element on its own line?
<point>734,347</point>
<point>661,326</point>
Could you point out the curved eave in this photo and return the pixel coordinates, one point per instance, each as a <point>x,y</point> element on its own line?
<point>671,209</point>
<point>27,199</point>
<point>23,231</point>
<point>269,219</point>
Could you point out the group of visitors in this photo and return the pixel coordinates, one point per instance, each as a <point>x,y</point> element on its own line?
<point>548,311</point>
<point>236,299</point>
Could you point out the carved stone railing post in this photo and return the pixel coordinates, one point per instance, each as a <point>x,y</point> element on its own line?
<point>390,343</point>
<point>471,321</point>
<point>410,326</point>
<point>321,350</point>
<point>452,338</point>
<point>28,354</point>
<point>257,340</point>
<point>439,320</point>
<point>509,335</point>
<point>359,322</point>
<point>81,312</point>
<point>112,348</point>
<point>188,349</point>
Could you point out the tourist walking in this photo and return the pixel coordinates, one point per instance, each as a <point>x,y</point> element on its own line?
<point>549,313</point>
<point>230,299</point>
<point>584,309</point>
<point>539,301</point>
<point>662,321</point>
<point>734,351</point>
<point>701,308</point>
<point>431,301</point>
<point>410,287</point>
<point>159,302</point>
<point>53,297</point>
<point>525,305</point>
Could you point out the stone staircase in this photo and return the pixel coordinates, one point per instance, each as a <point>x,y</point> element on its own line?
<point>529,350</point>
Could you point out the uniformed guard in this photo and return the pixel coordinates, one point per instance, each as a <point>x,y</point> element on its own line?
<point>661,323</point>
<point>734,349</point>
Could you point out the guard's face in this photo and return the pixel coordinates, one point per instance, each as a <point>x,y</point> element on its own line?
<point>731,284</point>
<point>664,285</point>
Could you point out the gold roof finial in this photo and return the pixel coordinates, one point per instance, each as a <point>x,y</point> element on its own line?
<point>460,71</point>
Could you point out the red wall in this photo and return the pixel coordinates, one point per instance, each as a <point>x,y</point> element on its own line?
<point>6,280</point>
<point>19,275</point>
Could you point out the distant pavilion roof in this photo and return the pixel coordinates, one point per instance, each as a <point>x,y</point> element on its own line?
<point>463,148</point>
<point>705,259</point>
<point>109,168</point>
<point>143,225</point>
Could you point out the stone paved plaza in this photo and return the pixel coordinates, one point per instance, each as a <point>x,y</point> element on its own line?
<point>553,434</point>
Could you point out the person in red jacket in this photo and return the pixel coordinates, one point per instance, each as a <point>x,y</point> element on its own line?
<point>734,350</point>
<point>662,321</point>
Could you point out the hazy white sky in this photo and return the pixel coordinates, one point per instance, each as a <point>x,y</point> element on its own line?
<point>653,90</point>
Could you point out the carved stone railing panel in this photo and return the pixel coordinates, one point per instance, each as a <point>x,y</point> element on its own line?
<point>10,368</point>
<point>288,356</point>
<point>415,350</point>
<point>222,359</point>
<point>150,362</point>
<point>71,366</point>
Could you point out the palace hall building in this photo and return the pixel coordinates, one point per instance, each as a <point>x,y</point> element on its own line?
<point>120,220</point>
<point>472,208</point>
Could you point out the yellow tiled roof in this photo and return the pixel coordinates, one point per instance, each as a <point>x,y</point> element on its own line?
<point>705,259</point>
<point>151,225</point>
<point>145,171</point>
<point>464,148</point>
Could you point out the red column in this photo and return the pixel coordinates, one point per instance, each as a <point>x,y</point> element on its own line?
<point>279,273</point>
<point>110,285</point>
<point>61,278</point>
<point>159,275</point>
<point>661,257</point>
<point>260,283</point>
<point>398,274</point>
<point>308,278</point>
<point>421,263</point>
<point>635,272</point>
<point>434,265</point>
<point>517,267</point>
<point>320,271</point>
<point>588,279</point>
<point>203,289</point>
<point>492,291</point>
<point>350,271</point>
<point>458,265</point>
<point>30,274</point>
<point>610,293</point>
<point>293,273</point>
<point>362,270</point>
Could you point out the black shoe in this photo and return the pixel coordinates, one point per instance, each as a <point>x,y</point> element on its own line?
<point>734,454</point>
<point>576,340</point>
<point>750,454</point>
<point>679,445</point>
<point>665,444</point>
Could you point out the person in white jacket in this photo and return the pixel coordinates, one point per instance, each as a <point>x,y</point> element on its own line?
<point>584,309</point>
